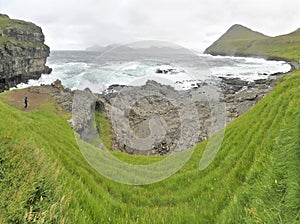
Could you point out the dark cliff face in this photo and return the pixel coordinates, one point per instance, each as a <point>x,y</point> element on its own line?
<point>23,53</point>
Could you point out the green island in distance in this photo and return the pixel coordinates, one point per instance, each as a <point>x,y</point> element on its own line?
<point>255,177</point>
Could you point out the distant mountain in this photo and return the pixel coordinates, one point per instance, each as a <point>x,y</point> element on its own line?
<point>107,48</point>
<point>141,48</point>
<point>241,33</point>
<point>242,41</point>
<point>95,48</point>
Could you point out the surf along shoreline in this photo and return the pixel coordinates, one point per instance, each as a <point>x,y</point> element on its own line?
<point>239,96</point>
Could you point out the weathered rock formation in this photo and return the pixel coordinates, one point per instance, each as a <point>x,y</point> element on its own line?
<point>23,53</point>
<point>155,119</point>
<point>241,95</point>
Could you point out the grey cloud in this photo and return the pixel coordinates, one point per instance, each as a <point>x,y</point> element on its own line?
<point>77,24</point>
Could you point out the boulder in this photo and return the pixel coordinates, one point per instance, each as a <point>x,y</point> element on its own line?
<point>82,109</point>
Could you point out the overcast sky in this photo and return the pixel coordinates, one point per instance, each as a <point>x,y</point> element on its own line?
<point>77,24</point>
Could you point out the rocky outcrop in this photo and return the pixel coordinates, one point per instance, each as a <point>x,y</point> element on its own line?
<point>155,119</point>
<point>152,119</point>
<point>240,95</point>
<point>84,103</point>
<point>234,97</point>
<point>23,53</point>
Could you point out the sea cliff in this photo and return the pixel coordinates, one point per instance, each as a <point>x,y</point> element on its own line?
<point>23,53</point>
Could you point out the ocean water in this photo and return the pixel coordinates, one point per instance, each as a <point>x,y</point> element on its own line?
<point>99,70</point>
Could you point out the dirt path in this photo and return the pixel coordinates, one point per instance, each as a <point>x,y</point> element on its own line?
<point>36,97</point>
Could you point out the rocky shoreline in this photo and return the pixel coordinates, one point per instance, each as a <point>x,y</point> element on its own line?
<point>138,106</point>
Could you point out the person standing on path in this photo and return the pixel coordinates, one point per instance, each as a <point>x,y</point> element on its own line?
<point>26,102</point>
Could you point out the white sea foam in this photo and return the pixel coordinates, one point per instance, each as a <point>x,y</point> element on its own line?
<point>81,74</point>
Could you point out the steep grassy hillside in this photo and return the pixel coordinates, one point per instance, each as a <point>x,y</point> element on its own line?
<point>255,177</point>
<point>241,41</point>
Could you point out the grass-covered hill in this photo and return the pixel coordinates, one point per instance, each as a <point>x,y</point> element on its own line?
<point>241,41</point>
<point>255,177</point>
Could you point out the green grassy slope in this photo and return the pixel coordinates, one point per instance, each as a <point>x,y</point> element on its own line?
<point>255,177</point>
<point>241,41</point>
<point>6,22</point>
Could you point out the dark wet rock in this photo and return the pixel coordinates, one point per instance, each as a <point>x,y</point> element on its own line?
<point>277,74</point>
<point>240,101</point>
<point>262,81</point>
<point>232,85</point>
<point>168,70</point>
<point>57,84</point>
<point>115,87</point>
